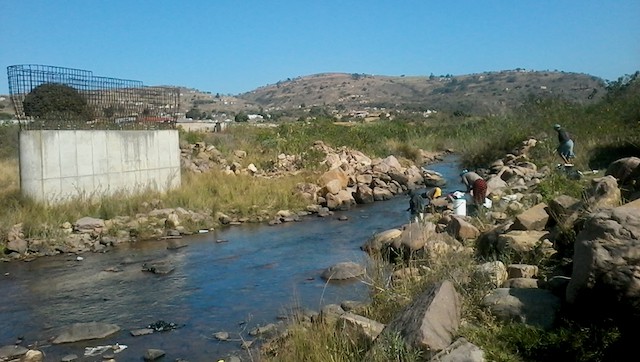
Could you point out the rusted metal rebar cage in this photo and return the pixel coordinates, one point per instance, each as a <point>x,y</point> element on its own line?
<point>50,97</point>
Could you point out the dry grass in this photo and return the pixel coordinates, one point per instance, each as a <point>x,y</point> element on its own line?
<point>330,342</point>
<point>9,177</point>
<point>241,196</point>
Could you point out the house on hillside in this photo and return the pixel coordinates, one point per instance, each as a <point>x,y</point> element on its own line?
<point>255,117</point>
<point>359,114</point>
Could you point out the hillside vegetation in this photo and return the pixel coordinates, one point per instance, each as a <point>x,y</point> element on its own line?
<point>354,96</point>
<point>345,95</point>
<point>485,93</point>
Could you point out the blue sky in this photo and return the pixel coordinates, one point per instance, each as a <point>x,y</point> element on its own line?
<point>231,47</point>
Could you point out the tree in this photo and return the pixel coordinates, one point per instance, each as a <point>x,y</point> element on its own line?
<point>241,117</point>
<point>317,111</point>
<point>56,101</point>
<point>193,113</point>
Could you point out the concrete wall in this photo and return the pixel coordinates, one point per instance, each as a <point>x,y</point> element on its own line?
<point>59,165</point>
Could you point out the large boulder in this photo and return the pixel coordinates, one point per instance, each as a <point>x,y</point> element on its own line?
<point>495,184</point>
<point>521,243</point>
<point>414,176</point>
<point>565,210</point>
<point>393,163</point>
<point>342,271</point>
<point>343,200</point>
<point>493,272</point>
<point>363,194</point>
<point>11,352</point>
<point>430,322</point>
<point>19,246</point>
<point>606,261</point>
<point>414,236</point>
<point>334,174</point>
<point>433,178</point>
<point>380,241</point>
<point>88,224</point>
<point>460,350</point>
<point>604,193</point>
<point>537,307</point>
<point>625,170</point>
<point>361,326</point>
<point>486,243</point>
<point>399,177</point>
<point>461,229</point>
<point>381,194</point>
<point>534,218</point>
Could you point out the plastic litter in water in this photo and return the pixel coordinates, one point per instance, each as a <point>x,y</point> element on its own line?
<point>97,350</point>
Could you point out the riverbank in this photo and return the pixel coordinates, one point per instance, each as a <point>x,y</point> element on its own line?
<point>226,286</point>
<point>519,281</point>
<point>353,178</point>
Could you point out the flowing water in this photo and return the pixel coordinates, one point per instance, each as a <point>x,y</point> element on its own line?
<point>232,280</point>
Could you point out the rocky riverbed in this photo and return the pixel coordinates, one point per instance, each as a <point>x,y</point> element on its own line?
<point>352,179</point>
<point>518,223</point>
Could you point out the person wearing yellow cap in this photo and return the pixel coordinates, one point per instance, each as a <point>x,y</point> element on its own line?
<point>434,193</point>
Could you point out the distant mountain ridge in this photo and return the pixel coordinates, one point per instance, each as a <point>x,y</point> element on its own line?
<point>489,92</point>
<point>343,93</point>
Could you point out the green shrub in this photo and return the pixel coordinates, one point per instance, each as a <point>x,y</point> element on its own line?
<point>558,183</point>
<point>54,101</point>
<point>522,342</point>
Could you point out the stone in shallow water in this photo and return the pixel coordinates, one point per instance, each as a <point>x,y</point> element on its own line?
<point>141,332</point>
<point>12,351</point>
<point>153,354</point>
<point>221,336</point>
<point>342,271</point>
<point>83,331</point>
<point>158,267</point>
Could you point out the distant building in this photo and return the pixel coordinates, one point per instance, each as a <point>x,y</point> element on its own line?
<point>255,117</point>
<point>359,114</point>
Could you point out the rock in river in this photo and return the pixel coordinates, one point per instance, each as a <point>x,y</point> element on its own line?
<point>344,270</point>
<point>83,331</point>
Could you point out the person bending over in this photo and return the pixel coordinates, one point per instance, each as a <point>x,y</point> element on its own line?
<point>565,148</point>
<point>476,185</point>
<point>417,204</point>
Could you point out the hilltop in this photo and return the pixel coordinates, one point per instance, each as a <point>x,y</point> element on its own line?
<point>342,94</point>
<point>490,92</point>
<point>348,94</point>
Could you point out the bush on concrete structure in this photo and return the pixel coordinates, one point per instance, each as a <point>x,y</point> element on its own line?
<point>53,101</point>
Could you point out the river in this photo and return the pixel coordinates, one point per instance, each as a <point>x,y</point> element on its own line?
<point>232,279</point>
